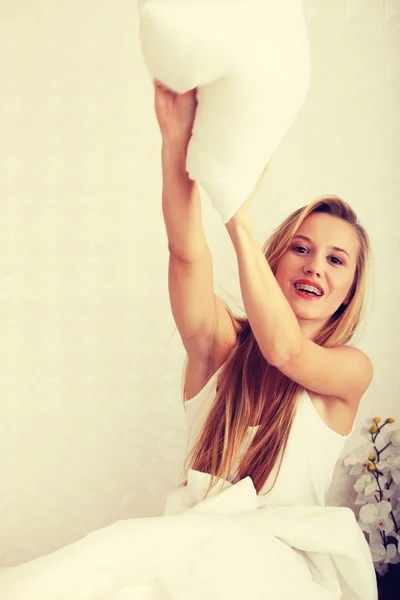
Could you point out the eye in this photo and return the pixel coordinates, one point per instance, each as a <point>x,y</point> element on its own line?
<point>299,248</point>
<point>295,248</point>
<point>338,259</point>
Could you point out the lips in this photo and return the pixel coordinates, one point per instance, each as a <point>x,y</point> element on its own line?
<point>309,282</point>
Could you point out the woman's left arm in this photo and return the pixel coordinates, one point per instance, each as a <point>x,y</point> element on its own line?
<point>342,372</point>
<point>271,317</point>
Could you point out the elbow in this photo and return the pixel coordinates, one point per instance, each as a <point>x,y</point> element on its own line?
<point>279,358</point>
<point>276,359</point>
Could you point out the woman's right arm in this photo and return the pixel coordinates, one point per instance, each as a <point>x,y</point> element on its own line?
<point>201,318</point>
<point>190,270</point>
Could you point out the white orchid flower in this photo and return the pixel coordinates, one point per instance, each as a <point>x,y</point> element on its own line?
<point>375,536</point>
<point>383,465</point>
<point>382,557</point>
<point>358,459</point>
<point>391,464</point>
<point>377,465</point>
<point>386,494</point>
<point>376,516</point>
<point>395,438</point>
<point>372,512</point>
<point>366,487</point>
<point>360,467</point>
<point>395,470</point>
<point>382,554</point>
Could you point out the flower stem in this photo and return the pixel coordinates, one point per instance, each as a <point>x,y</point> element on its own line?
<point>382,449</point>
<point>375,435</point>
<point>379,452</point>
<point>379,485</point>
<point>394,522</point>
<point>383,538</point>
<point>390,483</point>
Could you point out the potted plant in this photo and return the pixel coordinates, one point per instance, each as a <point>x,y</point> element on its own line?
<point>376,464</point>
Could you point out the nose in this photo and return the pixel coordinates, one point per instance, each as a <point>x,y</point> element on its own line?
<point>313,267</point>
<point>310,271</point>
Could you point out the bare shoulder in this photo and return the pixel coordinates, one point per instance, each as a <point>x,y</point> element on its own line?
<point>199,372</point>
<point>339,374</point>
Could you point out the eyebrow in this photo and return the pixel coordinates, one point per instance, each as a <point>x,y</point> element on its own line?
<point>307,239</point>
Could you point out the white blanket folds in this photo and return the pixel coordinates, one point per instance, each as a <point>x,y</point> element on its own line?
<point>231,545</point>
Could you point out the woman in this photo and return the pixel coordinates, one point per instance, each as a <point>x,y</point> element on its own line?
<point>282,378</point>
<point>245,381</point>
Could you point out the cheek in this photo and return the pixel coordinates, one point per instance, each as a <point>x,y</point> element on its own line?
<point>283,265</point>
<point>279,271</point>
<point>343,287</point>
<point>283,272</point>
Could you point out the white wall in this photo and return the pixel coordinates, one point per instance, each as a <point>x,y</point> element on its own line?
<point>91,420</point>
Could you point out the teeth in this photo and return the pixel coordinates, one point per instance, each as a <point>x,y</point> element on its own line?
<point>310,288</point>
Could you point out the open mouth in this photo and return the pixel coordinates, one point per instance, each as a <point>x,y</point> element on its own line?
<point>308,292</point>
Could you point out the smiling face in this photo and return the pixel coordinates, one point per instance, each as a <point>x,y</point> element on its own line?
<point>329,258</point>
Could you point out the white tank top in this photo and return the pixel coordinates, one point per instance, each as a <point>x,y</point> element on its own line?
<point>311,453</point>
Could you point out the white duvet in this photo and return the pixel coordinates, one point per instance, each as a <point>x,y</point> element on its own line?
<point>230,546</point>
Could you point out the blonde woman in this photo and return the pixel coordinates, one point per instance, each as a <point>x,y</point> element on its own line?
<point>270,401</point>
<point>272,396</point>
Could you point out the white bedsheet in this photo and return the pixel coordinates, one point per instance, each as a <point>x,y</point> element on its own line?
<point>230,546</point>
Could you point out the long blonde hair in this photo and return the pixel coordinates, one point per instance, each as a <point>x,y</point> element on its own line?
<point>251,391</point>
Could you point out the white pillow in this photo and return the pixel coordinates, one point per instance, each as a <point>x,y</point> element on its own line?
<point>250,61</point>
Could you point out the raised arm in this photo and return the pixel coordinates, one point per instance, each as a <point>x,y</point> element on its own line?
<point>202,320</point>
<point>190,271</point>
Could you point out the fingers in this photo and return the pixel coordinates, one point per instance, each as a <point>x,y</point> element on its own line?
<point>162,91</point>
<point>160,86</point>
